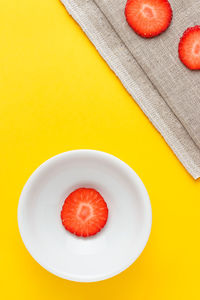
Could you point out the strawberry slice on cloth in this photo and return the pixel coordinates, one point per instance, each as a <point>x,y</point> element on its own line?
<point>189,48</point>
<point>148,18</point>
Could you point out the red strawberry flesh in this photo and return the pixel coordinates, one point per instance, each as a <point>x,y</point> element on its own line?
<point>84,212</point>
<point>189,48</point>
<point>148,18</point>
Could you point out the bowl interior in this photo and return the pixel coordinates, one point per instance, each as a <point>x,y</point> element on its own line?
<point>84,259</point>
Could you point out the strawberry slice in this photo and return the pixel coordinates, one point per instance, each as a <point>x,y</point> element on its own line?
<point>148,18</point>
<point>84,212</point>
<point>189,48</point>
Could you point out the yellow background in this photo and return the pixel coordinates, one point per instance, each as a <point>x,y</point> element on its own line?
<point>57,94</point>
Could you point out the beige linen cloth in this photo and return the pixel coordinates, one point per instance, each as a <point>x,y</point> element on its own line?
<point>167,92</point>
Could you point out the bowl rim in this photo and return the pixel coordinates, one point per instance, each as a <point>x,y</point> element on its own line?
<point>129,170</point>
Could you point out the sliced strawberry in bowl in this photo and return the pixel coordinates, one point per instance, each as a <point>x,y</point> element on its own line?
<point>189,48</point>
<point>84,212</point>
<point>148,18</point>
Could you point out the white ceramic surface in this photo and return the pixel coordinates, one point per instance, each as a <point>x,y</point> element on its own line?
<point>109,252</point>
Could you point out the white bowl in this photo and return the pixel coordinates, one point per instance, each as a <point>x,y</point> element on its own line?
<point>95,258</point>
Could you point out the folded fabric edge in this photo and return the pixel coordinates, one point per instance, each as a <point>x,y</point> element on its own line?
<point>189,158</point>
